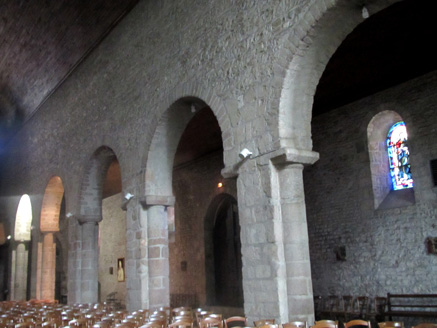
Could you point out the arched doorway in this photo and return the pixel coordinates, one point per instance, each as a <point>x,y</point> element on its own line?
<point>222,239</point>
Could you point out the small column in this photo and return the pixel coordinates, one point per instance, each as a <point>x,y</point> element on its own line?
<point>89,259</point>
<point>48,267</point>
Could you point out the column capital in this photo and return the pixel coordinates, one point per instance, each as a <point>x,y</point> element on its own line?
<point>151,200</point>
<point>294,156</point>
<point>280,156</point>
<point>89,219</point>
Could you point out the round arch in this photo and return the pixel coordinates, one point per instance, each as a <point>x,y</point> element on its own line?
<point>92,184</point>
<point>328,22</point>
<point>159,165</point>
<point>377,130</point>
<point>90,214</point>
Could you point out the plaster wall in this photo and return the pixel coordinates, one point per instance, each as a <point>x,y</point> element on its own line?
<point>112,236</point>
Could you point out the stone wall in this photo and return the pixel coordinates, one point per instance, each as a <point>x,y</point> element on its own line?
<point>385,248</point>
<point>235,57</point>
<point>195,187</point>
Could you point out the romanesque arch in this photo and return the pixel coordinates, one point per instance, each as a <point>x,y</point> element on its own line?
<point>86,271</point>
<point>159,197</point>
<point>328,23</point>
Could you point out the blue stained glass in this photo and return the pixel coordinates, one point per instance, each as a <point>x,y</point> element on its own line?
<point>399,157</point>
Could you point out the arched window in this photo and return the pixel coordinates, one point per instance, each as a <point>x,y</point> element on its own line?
<point>387,144</point>
<point>399,157</point>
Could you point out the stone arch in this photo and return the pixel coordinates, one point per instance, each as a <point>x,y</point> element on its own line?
<point>328,23</point>
<point>221,204</point>
<point>92,184</point>
<point>49,225</point>
<point>158,198</point>
<point>159,165</point>
<point>20,255</point>
<point>90,214</point>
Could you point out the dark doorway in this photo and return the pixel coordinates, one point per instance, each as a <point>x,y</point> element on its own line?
<point>227,254</point>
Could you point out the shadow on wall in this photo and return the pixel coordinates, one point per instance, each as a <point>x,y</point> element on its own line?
<point>10,114</point>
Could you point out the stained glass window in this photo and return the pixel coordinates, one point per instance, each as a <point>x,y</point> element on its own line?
<point>399,157</point>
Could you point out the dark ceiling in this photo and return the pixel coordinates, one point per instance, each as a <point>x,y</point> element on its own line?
<point>391,47</point>
<point>42,41</point>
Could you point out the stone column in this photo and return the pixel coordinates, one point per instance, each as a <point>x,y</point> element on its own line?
<point>157,249</point>
<point>48,267</point>
<point>276,267</point>
<point>20,274</point>
<point>74,261</point>
<point>89,259</point>
<point>289,168</point>
<point>137,269</point>
<point>264,275</point>
<point>38,270</point>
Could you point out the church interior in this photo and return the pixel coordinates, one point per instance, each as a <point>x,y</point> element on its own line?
<point>262,159</point>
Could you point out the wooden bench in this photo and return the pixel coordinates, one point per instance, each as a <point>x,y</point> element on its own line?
<point>411,305</point>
